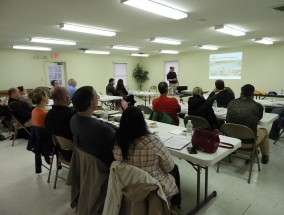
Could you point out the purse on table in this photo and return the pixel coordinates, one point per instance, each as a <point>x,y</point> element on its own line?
<point>208,141</point>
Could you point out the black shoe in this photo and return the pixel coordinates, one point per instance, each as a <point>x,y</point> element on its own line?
<point>265,159</point>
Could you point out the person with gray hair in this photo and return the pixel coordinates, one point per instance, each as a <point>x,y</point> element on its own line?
<point>72,86</point>
<point>198,106</point>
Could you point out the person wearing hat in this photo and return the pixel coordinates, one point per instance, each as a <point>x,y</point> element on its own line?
<point>246,111</point>
<point>198,106</point>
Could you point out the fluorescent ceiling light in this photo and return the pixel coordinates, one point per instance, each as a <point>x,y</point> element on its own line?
<point>229,30</point>
<point>156,8</point>
<point>139,55</point>
<point>125,48</point>
<point>96,52</point>
<point>52,41</point>
<point>35,48</point>
<point>86,29</point>
<point>165,41</point>
<point>263,41</point>
<point>168,52</point>
<point>207,47</point>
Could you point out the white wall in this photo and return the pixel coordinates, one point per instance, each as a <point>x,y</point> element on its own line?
<point>263,66</point>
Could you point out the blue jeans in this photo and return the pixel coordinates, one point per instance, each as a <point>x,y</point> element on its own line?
<point>275,129</point>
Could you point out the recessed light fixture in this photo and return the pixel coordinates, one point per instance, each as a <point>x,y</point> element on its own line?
<point>208,47</point>
<point>52,41</point>
<point>229,30</point>
<point>139,55</point>
<point>34,48</point>
<point>156,8</point>
<point>86,29</point>
<point>125,48</point>
<point>96,52</point>
<point>165,41</point>
<point>263,41</point>
<point>168,52</point>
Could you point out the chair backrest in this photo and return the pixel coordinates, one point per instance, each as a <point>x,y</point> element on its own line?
<point>63,143</point>
<point>153,88</point>
<point>145,109</point>
<point>241,132</point>
<point>197,122</point>
<point>161,117</point>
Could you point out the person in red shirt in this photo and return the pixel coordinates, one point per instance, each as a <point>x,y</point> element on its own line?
<point>166,104</point>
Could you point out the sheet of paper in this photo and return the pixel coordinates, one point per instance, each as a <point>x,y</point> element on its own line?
<point>176,143</point>
<point>176,132</point>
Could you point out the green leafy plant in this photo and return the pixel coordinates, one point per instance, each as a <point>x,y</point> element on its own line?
<point>140,76</point>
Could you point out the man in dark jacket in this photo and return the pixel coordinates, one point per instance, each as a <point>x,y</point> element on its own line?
<point>246,111</point>
<point>223,95</point>
<point>110,90</point>
<point>20,110</point>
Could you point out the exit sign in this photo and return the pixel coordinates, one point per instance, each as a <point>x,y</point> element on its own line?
<point>55,56</point>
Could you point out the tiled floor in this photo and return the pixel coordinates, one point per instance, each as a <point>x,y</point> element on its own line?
<point>22,192</point>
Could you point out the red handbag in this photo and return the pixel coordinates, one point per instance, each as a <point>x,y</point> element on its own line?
<point>208,141</point>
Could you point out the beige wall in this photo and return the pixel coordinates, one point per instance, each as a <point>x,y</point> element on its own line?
<point>263,66</point>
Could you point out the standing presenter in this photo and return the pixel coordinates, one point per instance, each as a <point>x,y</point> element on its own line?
<point>172,78</point>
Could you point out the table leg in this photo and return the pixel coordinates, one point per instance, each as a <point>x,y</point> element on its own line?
<point>207,197</point>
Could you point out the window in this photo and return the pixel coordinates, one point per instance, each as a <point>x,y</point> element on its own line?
<point>120,72</point>
<point>168,64</point>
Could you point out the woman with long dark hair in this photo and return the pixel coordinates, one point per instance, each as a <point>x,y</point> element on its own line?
<point>120,90</point>
<point>137,147</point>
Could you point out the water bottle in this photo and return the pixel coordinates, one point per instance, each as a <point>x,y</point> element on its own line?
<point>105,115</point>
<point>215,105</point>
<point>189,130</point>
<point>282,92</point>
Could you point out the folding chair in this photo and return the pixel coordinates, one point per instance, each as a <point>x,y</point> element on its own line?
<point>65,149</point>
<point>17,125</point>
<point>197,122</point>
<point>248,151</point>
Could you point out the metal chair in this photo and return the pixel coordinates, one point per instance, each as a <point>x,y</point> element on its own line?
<point>248,151</point>
<point>197,122</point>
<point>145,109</point>
<point>65,148</point>
<point>281,132</point>
<point>17,125</point>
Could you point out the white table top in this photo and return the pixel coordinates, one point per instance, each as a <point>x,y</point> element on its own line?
<point>270,102</point>
<point>200,158</point>
<point>221,113</point>
<point>107,98</point>
<point>142,93</point>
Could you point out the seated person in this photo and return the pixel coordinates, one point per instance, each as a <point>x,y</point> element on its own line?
<point>277,124</point>
<point>57,120</point>
<point>24,96</point>
<point>54,83</point>
<point>40,141</point>
<point>246,111</point>
<point>166,104</point>
<point>110,90</point>
<point>120,90</point>
<point>91,135</point>
<point>4,114</point>
<point>20,110</point>
<point>198,106</point>
<point>72,86</point>
<point>223,95</point>
<point>136,146</point>
<point>40,99</point>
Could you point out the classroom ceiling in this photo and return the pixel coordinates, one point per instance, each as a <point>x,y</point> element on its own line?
<point>23,19</point>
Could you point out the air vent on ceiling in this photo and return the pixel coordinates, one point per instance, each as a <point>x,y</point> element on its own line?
<point>280,8</point>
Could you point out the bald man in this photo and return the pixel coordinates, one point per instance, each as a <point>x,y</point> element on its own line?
<point>57,120</point>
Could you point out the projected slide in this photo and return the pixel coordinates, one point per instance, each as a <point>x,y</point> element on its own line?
<point>225,66</point>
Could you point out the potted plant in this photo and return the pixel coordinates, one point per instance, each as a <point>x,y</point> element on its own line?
<point>140,76</point>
